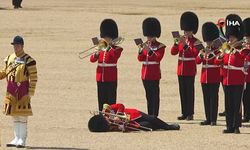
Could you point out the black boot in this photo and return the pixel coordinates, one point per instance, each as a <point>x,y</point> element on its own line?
<point>19,3</point>
<point>182,117</point>
<point>15,4</point>
<point>245,119</point>
<point>203,123</point>
<point>190,117</point>
<point>228,130</point>
<point>237,131</point>
<point>213,124</point>
<point>222,114</point>
<point>173,127</point>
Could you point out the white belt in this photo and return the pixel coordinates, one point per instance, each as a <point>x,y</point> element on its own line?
<point>106,65</point>
<point>186,59</point>
<point>233,68</point>
<point>210,66</point>
<point>150,63</point>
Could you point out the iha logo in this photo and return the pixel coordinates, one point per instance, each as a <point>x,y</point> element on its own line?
<point>233,23</point>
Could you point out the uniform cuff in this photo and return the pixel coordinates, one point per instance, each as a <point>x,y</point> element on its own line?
<point>185,47</point>
<point>150,52</point>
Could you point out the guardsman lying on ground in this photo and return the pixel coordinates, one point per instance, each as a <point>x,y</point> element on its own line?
<point>118,118</point>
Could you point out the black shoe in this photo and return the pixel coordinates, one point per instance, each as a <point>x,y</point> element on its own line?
<point>173,127</point>
<point>228,131</point>
<point>20,146</point>
<point>245,120</point>
<point>190,118</point>
<point>15,7</point>
<point>10,145</point>
<point>237,131</point>
<point>222,114</point>
<point>181,117</point>
<point>20,7</point>
<point>203,123</point>
<point>213,124</point>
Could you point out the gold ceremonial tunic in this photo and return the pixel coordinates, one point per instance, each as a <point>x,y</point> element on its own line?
<point>21,75</point>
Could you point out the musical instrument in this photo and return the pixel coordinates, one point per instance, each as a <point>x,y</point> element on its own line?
<point>207,53</point>
<point>228,47</point>
<point>225,48</point>
<point>102,45</point>
<point>177,40</point>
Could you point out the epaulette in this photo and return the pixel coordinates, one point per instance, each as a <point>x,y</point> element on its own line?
<point>117,47</point>
<point>197,42</point>
<point>161,46</point>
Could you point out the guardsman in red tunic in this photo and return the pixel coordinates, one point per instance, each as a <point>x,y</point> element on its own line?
<point>246,96</point>
<point>232,58</point>
<point>98,124</point>
<point>210,73</point>
<point>221,24</point>
<point>107,57</point>
<point>186,69</point>
<point>151,56</point>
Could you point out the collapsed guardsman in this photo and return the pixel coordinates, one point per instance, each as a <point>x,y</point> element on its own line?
<point>118,118</point>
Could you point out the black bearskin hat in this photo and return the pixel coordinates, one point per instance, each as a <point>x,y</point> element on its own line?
<point>151,27</point>
<point>189,22</point>
<point>109,29</point>
<point>246,24</point>
<point>210,31</point>
<point>234,26</point>
<point>98,123</point>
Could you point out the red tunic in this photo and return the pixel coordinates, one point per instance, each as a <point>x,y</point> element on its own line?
<point>186,61</point>
<point>133,113</point>
<point>107,64</point>
<point>232,68</point>
<point>151,63</point>
<point>210,72</point>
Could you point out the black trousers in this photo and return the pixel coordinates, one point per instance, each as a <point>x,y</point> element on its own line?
<point>17,3</point>
<point>246,101</point>
<point>106,93</point>
<point>152,90</point>
<point>153,122</point>
<point>210,97</point>
<point>186,90</point>
<point>233,96</point>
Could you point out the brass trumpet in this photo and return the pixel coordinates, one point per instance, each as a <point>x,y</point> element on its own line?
<point>225,48</point>
<point>228,48</point>
<point>102,45</point>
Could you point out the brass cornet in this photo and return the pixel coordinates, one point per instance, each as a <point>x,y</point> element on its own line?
<point>225,48</point>
<point>228,48</point>
<point>102,45</point>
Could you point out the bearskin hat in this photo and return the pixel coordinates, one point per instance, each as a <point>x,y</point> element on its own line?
<point>151,27</point>
<point>246,24</point>
<point>234,26</point>
<point>98,123</point>
<point>189,22</point>
<point>210,32</point>
<point>109,29</point>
